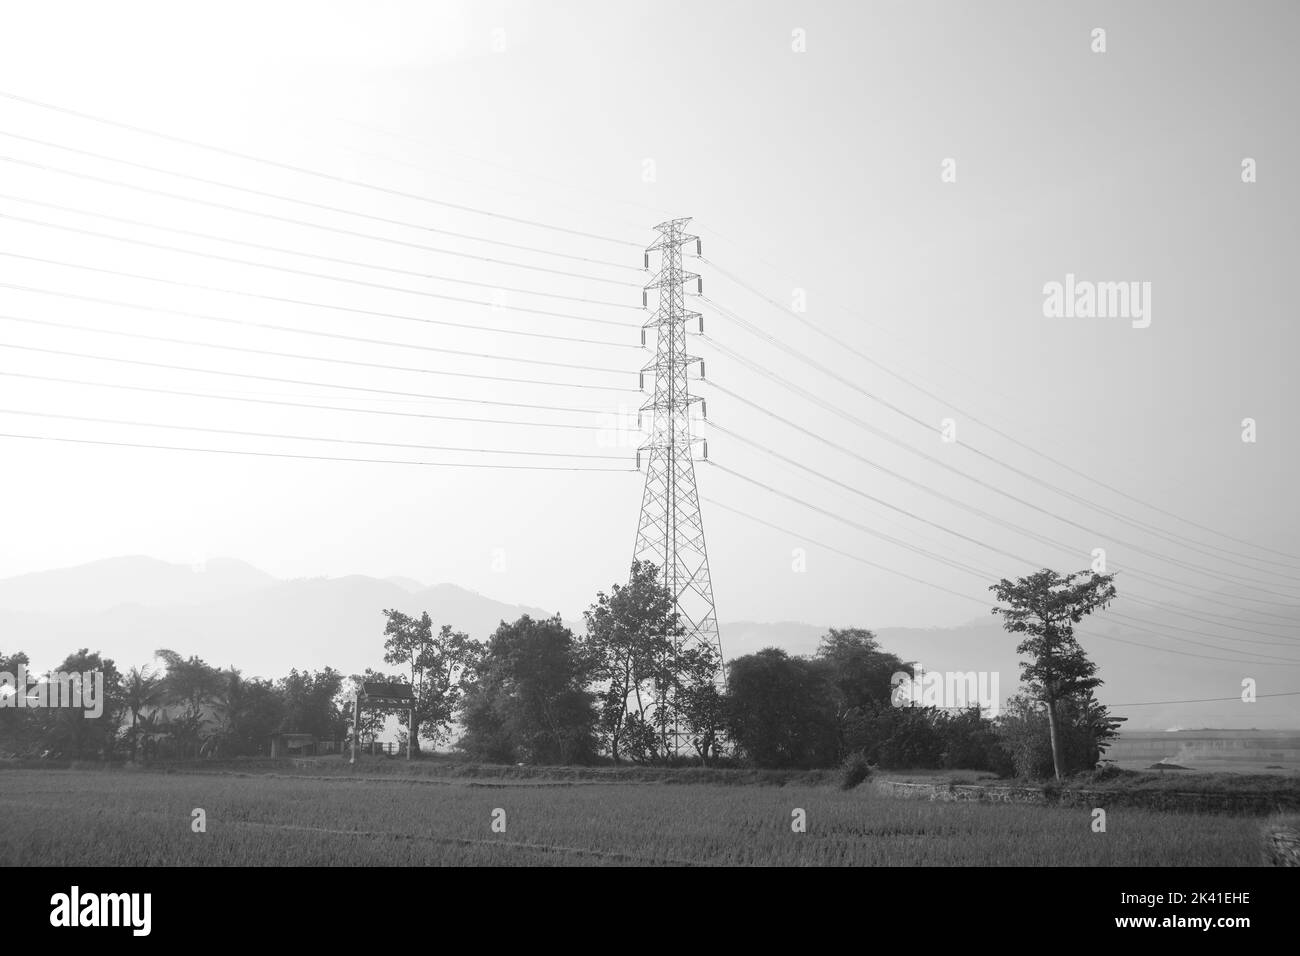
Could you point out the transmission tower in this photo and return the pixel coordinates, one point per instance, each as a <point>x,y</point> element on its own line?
<point>671,530</point>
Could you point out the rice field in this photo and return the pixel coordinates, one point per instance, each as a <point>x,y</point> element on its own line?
<point>114,818</point>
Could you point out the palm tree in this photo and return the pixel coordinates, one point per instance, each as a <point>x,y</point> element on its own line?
<point>229,709</point>
<point>143,689</point>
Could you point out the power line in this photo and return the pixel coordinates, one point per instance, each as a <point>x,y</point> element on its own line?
<point>307,255</point>
<point>1001,433</point>
<point>969,569</point>
<point>1104,637</point>
<point>208,317</point>
<point>914,483</point>
<point>354,362</point>
<point>340,441</point>
<point>329,177</point>
<point>338,230</point>
<point>880,501</point>
<point>1136,624</point>
<point>866,426</point>
<point>898,542</point>
<point>1155,605</point>
<point>308,204</point>
<point>1203,700</point>
<point>942,527</point>
<point>825,370</point>
<point>287,404</point>
<point>1170,650</point>
<point>309,384</point>
<point>881,567</point>
<point>425,144</point>
<point>304,272</point>
<point>269,454</point>
<point>283,300</point>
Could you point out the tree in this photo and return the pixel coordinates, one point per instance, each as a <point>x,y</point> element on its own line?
<point>651,683</point>
<point>435,664</point>
<point>142,689</point>
<point>527,698</point>
<point>703,709</point>
<point>631,634</point>
<point>309,703</point>
<point>781,710</point>
<point>1023,733</point>
<point>248,711</point>
<point>71,730</point>
<point>19,730</point>
<point>195,686</point>
<point>1045,606</point>
<point>858,672</point>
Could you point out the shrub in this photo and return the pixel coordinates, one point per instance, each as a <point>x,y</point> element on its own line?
<point>897,738</point>
<point>971,743</point>
<point>1023,732</point>
<point>854,770</point>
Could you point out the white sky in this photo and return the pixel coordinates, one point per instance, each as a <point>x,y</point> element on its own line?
<point>817,171</point>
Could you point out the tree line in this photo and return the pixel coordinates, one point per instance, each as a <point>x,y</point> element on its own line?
<point>634,688</point>
<point>179,707</point>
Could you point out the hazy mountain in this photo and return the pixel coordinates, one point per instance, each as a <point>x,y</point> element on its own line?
<point>230,613</point>
<point>406,584</point>
<point>101,585</point>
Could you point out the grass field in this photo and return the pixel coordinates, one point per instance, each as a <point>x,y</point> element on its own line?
<point>117,817</point>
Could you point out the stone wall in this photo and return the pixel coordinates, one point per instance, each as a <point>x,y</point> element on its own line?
<point>1251,804</point>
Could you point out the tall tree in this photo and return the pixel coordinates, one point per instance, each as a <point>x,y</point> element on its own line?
<point>1044,607</point>
<point>631,633</point>
<point>651,683</point>
<point>435,663</point>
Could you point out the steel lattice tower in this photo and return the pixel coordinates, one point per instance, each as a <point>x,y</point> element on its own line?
<point>671,530</point>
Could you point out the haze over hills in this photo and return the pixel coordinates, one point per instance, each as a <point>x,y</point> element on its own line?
<point>230,613</point>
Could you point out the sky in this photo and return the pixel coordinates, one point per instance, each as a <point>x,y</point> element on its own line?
<point>810,144</point>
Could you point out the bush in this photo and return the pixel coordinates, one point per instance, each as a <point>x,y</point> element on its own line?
<point>1105,771</point>
<point>854,770</point>
<point>1023,732</point>
<point>897,738</point>
<point>971,743</point>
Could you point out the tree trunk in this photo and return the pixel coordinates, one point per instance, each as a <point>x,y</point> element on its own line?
<point>356,727</point>
<point>1055,733</point>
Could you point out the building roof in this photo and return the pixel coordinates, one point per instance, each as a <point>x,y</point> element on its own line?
<point>384,691</point>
